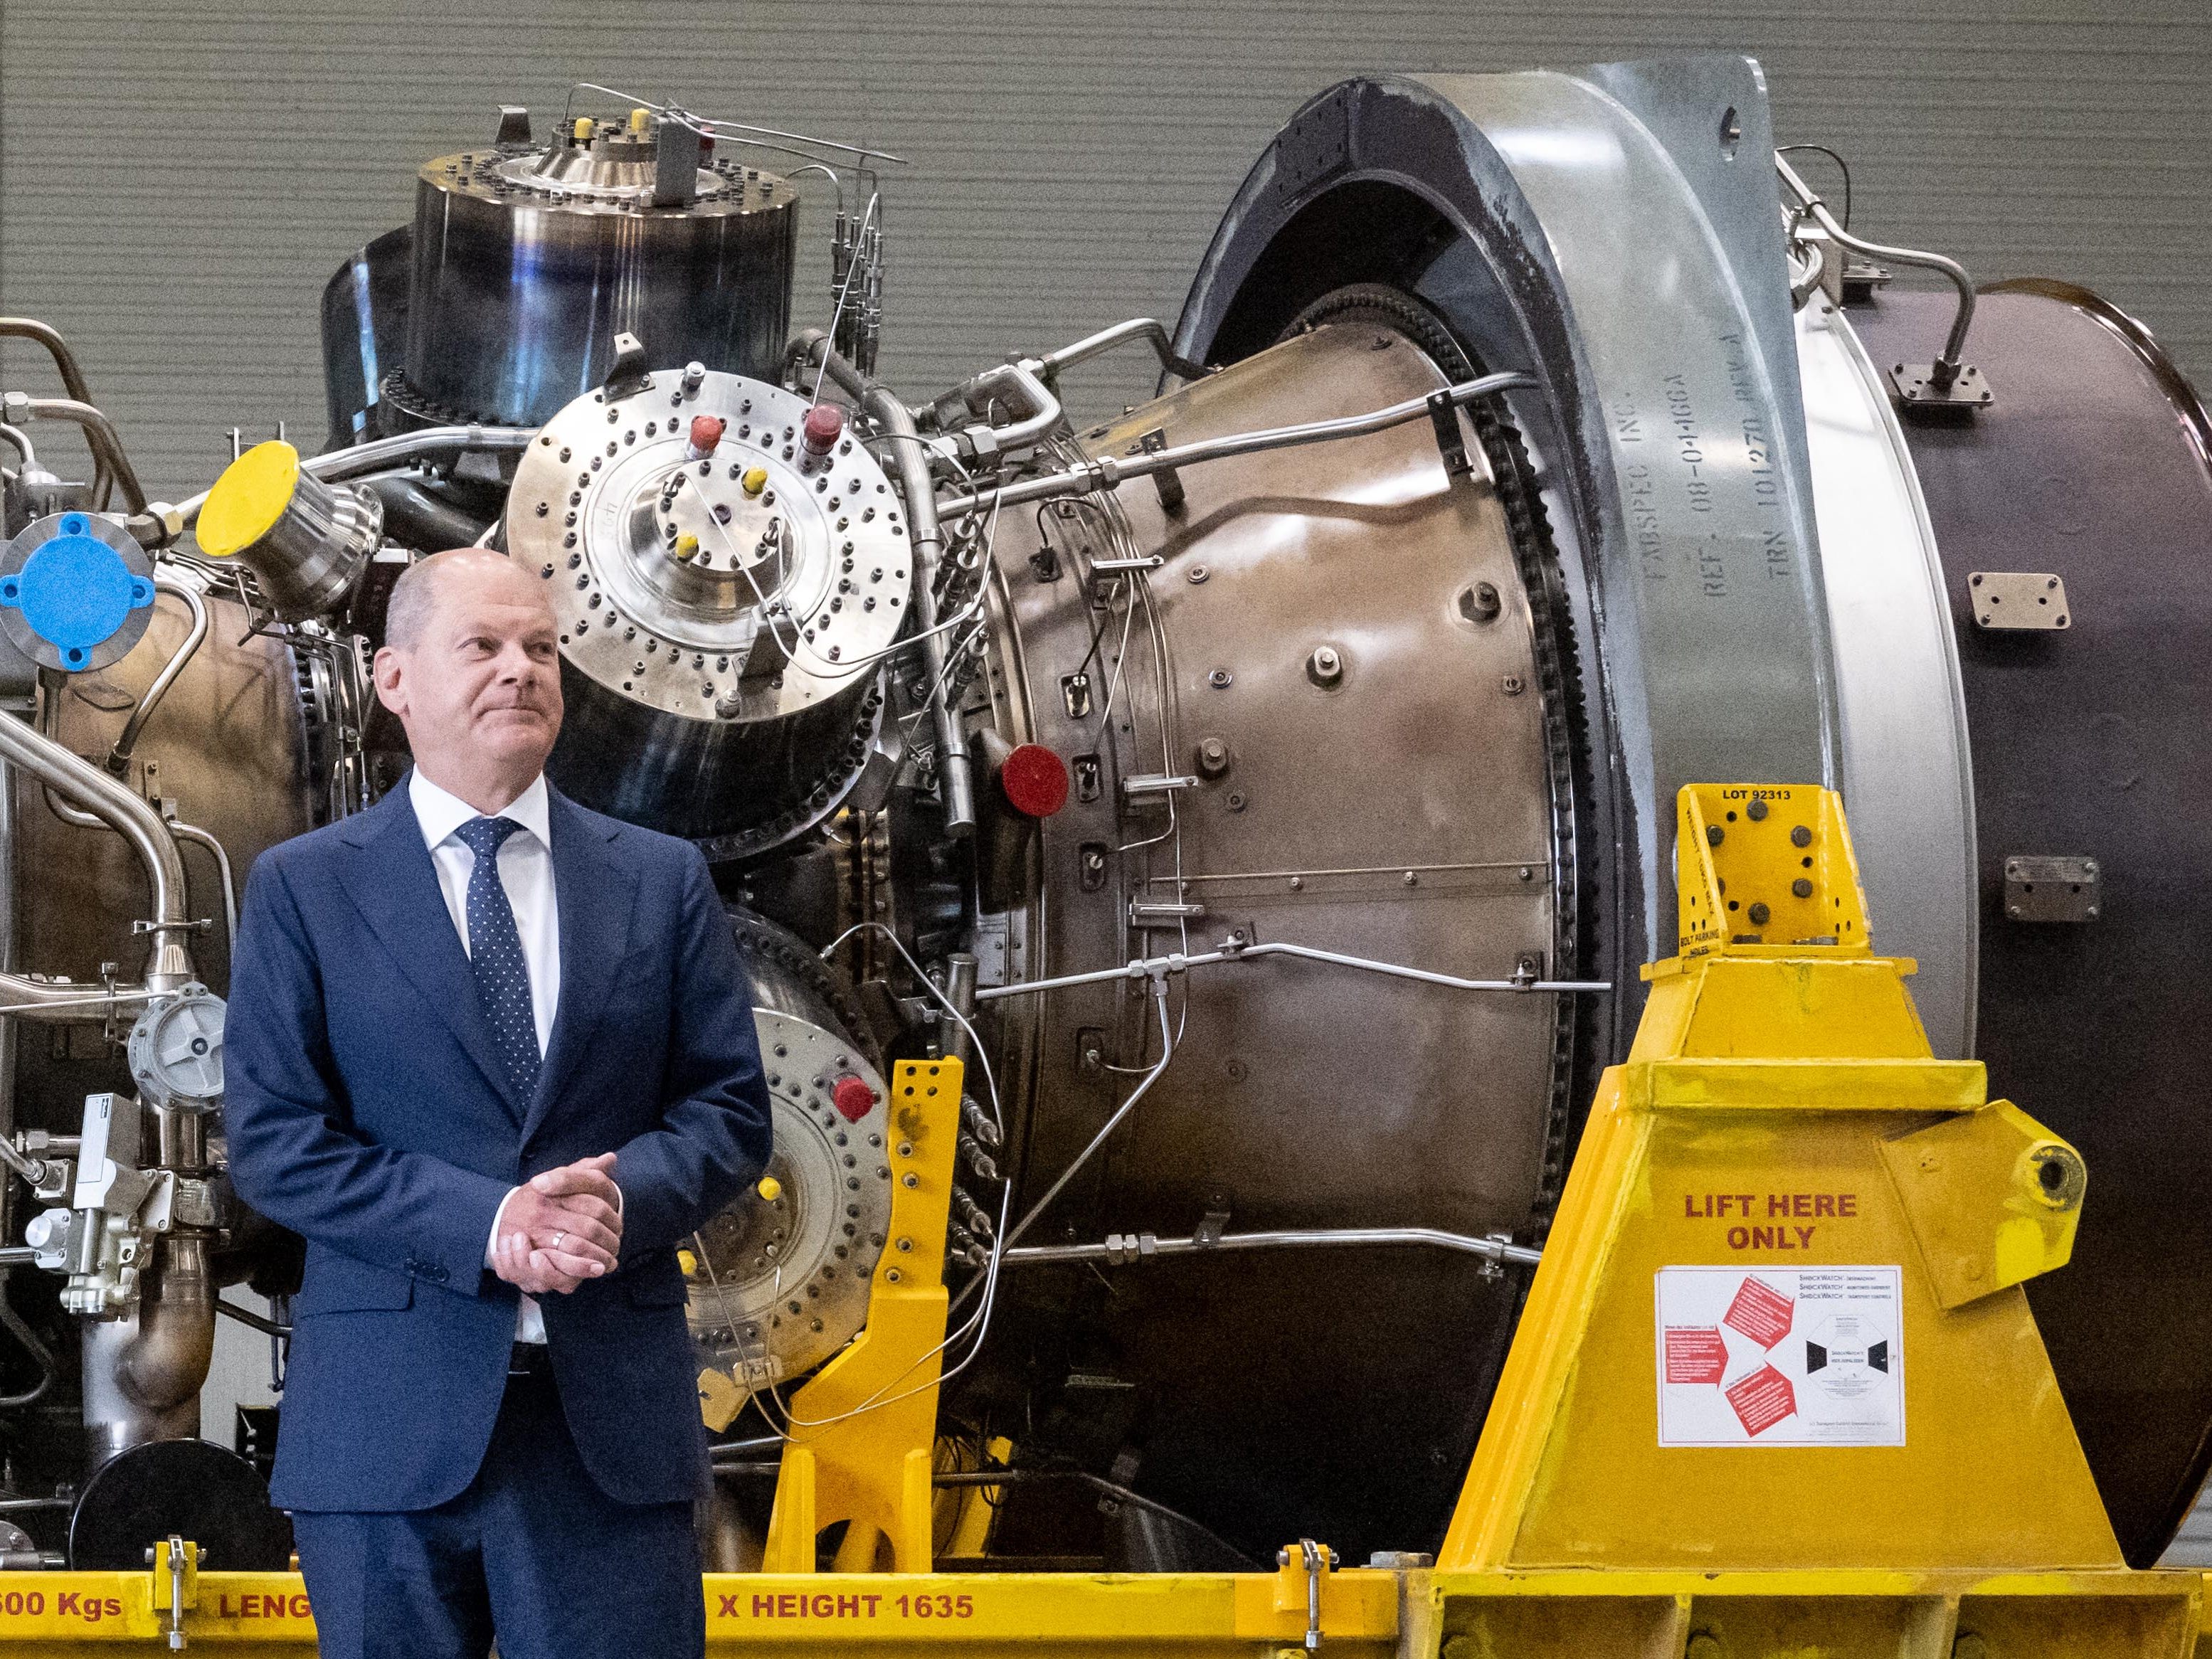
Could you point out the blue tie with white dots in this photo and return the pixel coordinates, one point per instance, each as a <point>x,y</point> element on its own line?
<point>495,954</point>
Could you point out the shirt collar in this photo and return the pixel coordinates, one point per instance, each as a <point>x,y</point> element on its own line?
<point>439,811</point>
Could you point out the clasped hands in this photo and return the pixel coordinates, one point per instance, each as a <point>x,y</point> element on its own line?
<point>560,1228</point>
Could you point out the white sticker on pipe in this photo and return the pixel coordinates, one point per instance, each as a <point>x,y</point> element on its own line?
<point>1780,1356</point>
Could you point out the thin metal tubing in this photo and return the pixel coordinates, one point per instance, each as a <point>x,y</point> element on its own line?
<point>1106,1129</point>
<point>72,378</point>
<point>1177,963</point>
<point>48,761</point>
<point>1946,365</point>
<point>101,433</point>
<point>405,446</point>
<point>119,757</point>
<point>208,839</point>
<point>1110,472</point>
<point>697,122</point>
<point>1150,329</point>
<point>1135,1248</point>
<point>44,1001</point>
<point>21,440</point>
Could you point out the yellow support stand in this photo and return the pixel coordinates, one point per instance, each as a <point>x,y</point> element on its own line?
<point>864,1428</point>
<point>1777,1374</point>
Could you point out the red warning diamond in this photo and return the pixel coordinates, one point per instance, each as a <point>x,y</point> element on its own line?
<point>1761,1400</point>
<point>1695,1354</point>
<point>1760,1312</point>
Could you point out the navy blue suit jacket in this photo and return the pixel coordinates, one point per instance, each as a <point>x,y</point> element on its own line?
<point>367,1110</point>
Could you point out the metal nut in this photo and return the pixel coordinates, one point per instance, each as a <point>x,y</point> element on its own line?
<point>1324,666</point>
<point>1481,602</point>
<point>1212,758</point>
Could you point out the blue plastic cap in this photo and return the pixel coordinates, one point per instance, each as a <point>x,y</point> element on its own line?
<point>75,592</point>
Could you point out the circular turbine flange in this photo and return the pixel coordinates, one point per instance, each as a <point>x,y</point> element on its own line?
<point>781,1281</point>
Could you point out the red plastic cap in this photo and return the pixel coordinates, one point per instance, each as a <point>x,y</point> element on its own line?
<point>707,432</point>
<point>826,424</point>
<point>1035,779</point>
<point>853,1098</point>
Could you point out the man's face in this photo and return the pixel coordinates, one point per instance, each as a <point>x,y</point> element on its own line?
<point>480,692</point>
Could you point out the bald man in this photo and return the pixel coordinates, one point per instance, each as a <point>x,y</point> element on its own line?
<point>491,1055</point>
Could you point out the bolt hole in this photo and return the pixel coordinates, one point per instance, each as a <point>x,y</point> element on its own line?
<point>1731,131</point>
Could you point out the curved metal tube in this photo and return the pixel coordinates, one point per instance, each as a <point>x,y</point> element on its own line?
<point>1106,472</point>
<point>1150,329</point>
<point>21,440</point>
<point>47,760</point>
<point>46,1000</point>
<point>911,460</point>
<point>1044,411</point>
<point>166,1363</point>
<point>119,757</point>
<point>406,446</point>
<point>1948,362</point>
<point>72,378</point>
<point>192,832</point>
<point>1121,1248</point>
<point>101,433</point>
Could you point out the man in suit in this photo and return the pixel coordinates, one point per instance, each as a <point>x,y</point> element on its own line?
<point>491,1055</point>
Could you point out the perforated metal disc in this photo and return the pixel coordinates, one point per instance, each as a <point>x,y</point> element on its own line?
<point>783,1283</point>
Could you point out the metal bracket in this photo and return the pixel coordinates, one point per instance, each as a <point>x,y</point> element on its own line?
<point>1924,388</point>
<point>1167,481</point>
<point>2045,889</point>
<point>628,373</point>
<point>1451,443</point>
<point>2018,601</point>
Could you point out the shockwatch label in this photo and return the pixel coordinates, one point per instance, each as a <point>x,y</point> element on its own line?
<point>1780,1358</point>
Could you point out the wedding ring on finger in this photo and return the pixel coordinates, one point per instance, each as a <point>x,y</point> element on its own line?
<point>557,1238</point>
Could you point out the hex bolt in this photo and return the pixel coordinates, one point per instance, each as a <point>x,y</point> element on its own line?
<point>1801,887</point>
<point>1480,603</point>
<point>1756,812</point>
<point>1715,835</point>
<point>1212,758</point>
<point>1324,666</point>
<point>1800,836</point>
<point>1758,913</point>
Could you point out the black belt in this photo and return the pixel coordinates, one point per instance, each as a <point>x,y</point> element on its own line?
<point>529,1360</point>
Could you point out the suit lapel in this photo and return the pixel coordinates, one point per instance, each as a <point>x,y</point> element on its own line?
<point>593,893</point>
<point>393,883</point>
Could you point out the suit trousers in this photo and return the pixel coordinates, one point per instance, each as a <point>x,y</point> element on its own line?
<point>532,1550</point>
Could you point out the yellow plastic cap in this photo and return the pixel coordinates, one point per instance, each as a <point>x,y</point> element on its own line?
<point>769,1189</point>
<point>638,118</point>
<point>248,499</point>
<point>755,481</point>
<point>686,548</point>
<point>583,129</point>
<point>687,1263</point>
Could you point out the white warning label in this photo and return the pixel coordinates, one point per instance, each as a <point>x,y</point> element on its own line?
<point>1780,1358</point>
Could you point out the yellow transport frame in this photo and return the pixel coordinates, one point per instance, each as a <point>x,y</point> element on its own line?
<point>1777,1394</point>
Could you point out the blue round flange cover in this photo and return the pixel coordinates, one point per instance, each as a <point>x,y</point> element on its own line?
<point>75,591</point>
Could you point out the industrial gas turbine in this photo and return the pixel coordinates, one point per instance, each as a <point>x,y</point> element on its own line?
<point>1268,795</point>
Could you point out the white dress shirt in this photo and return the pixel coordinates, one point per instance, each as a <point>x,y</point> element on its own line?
<point>526,870</point>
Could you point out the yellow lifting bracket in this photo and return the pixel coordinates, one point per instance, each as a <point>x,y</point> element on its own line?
<point>863,1430</point>
<point>1778,1328</point>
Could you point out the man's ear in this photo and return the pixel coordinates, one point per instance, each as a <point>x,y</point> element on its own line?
<point>389,671</point>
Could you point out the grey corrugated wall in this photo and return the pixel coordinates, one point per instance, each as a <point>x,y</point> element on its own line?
<point>178,180</point>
